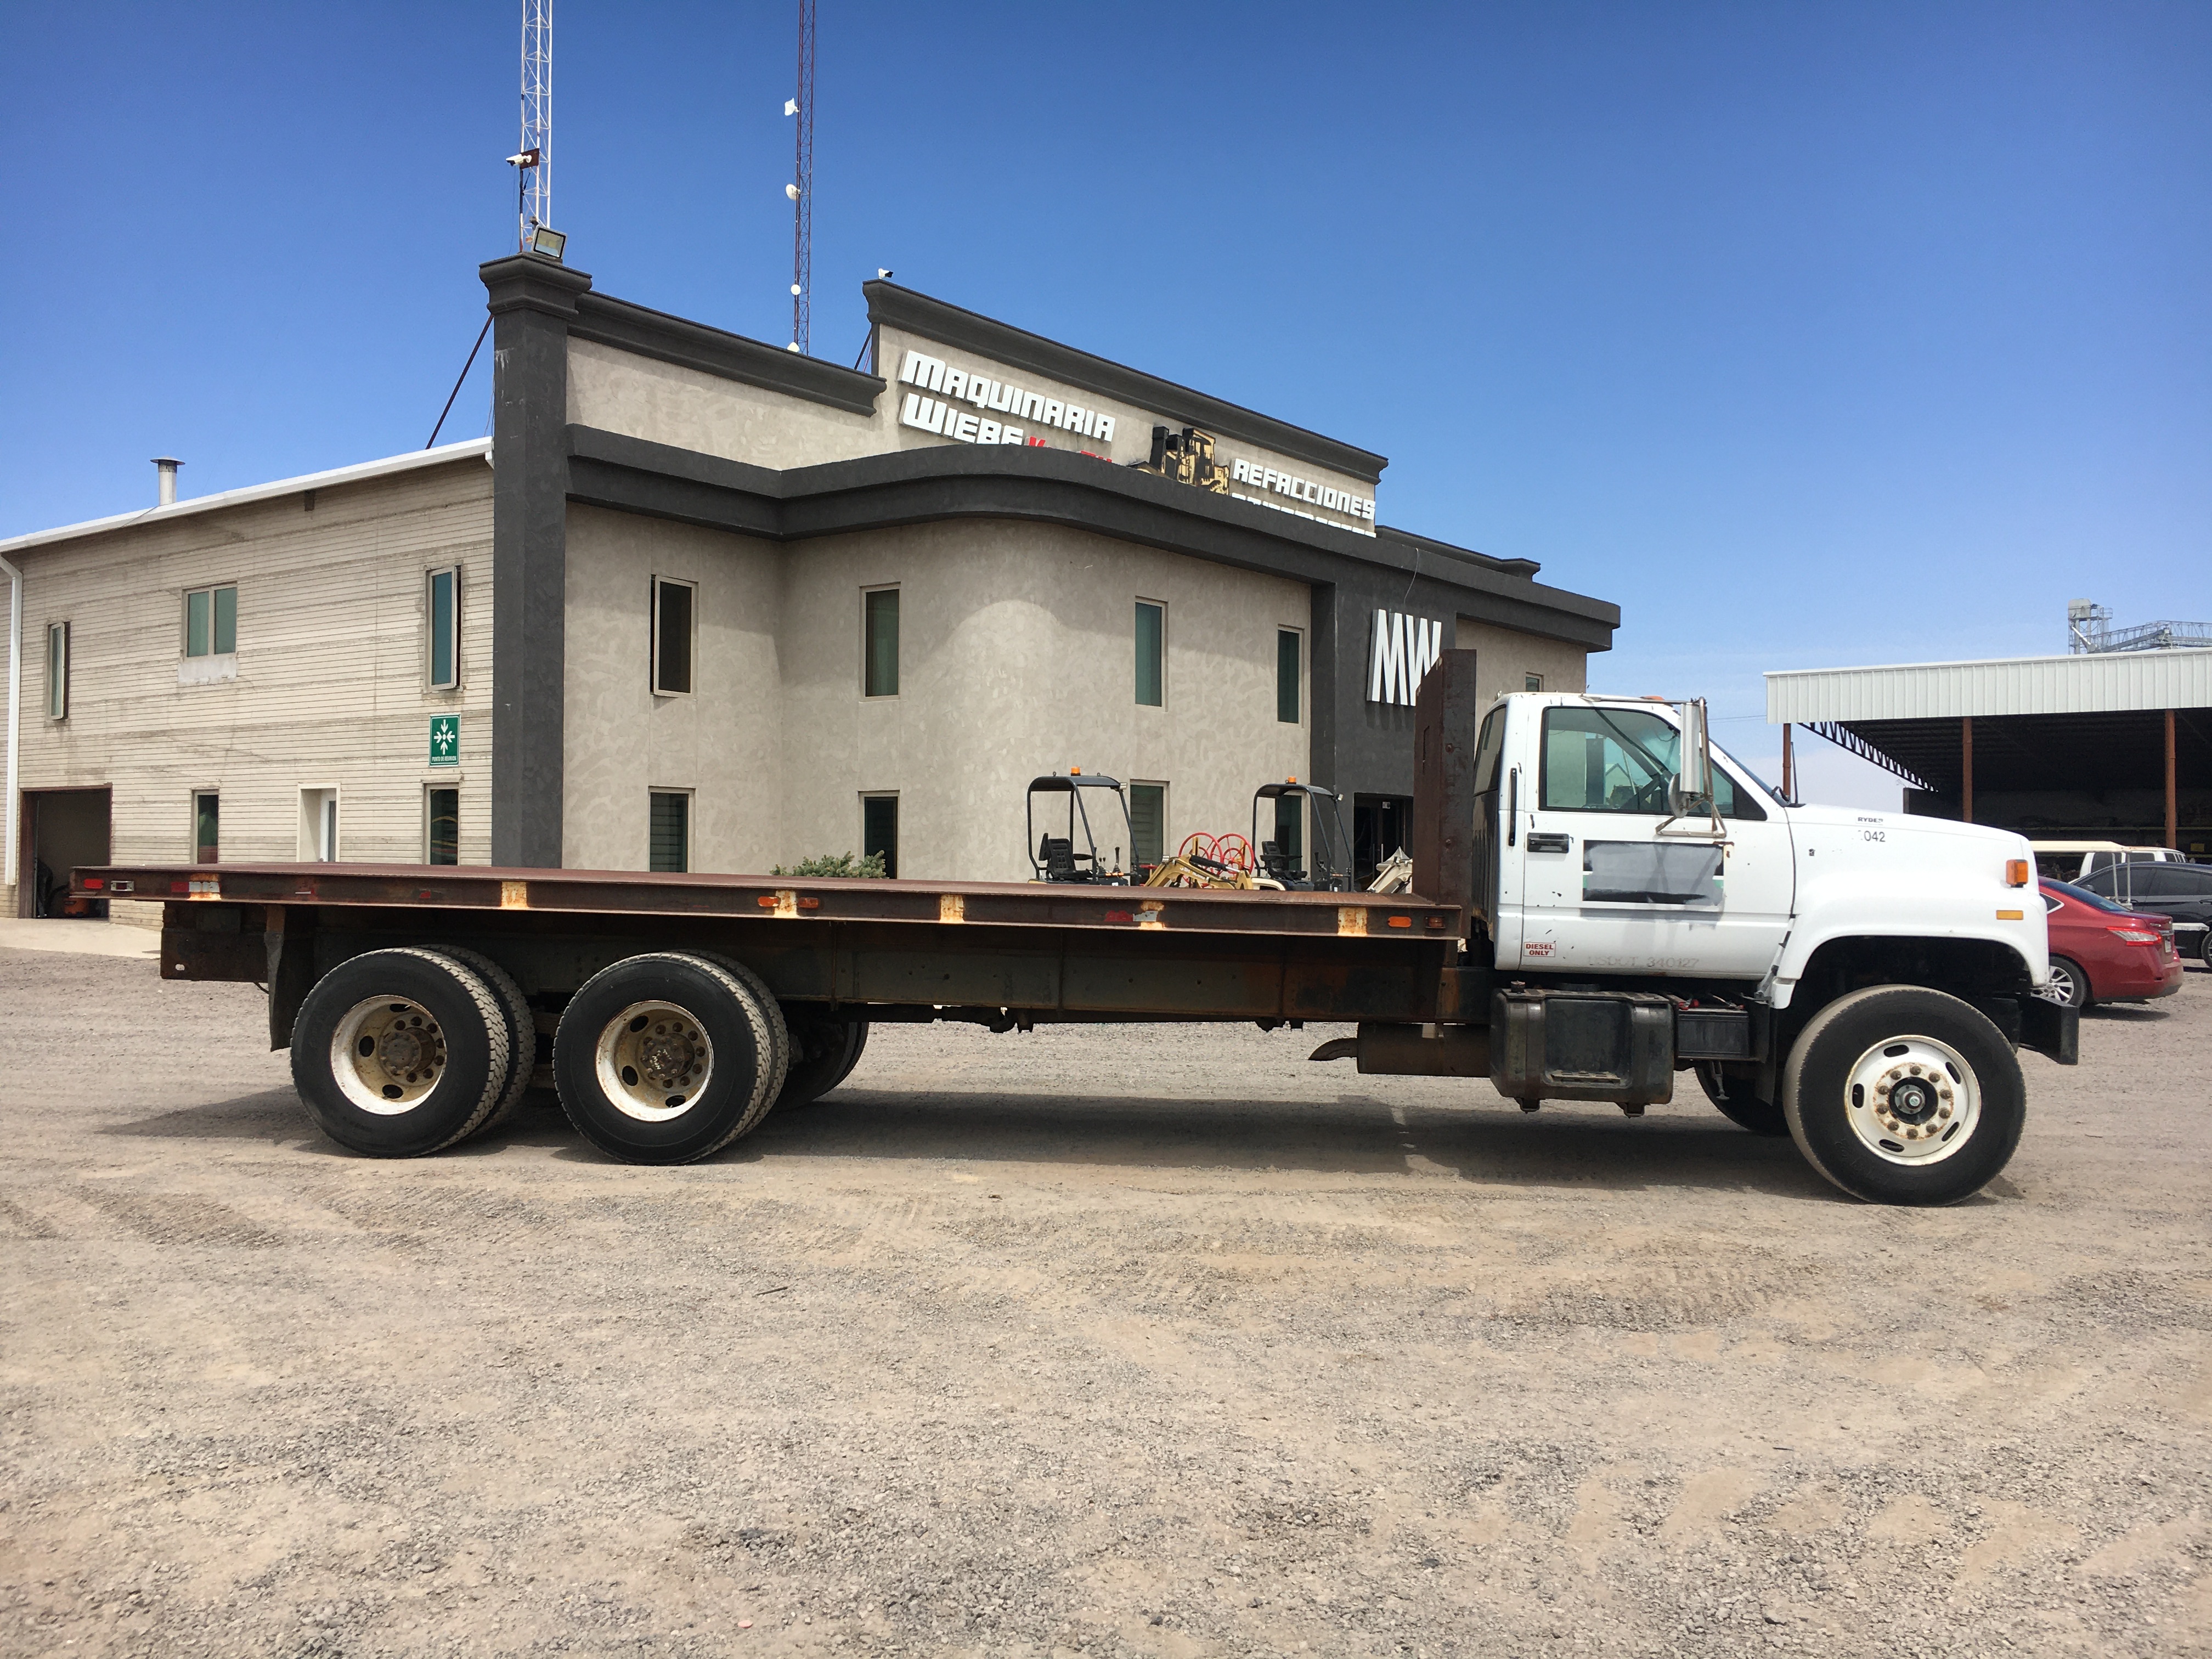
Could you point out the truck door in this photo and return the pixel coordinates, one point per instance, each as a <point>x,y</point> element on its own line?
<point>1600,890</point>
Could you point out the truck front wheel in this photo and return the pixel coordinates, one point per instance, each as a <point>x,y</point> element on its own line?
<point>1901,1095</point>
<point>666,1057</point>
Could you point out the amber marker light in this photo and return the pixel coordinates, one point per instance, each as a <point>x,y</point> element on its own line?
<point>2017,873</point>
<point>1401,921</point>
<point>2012,916</point>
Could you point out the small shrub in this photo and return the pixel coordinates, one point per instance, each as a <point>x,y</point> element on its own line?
<point>836,864</point>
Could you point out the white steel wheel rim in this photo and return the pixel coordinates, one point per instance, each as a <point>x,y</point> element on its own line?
<point>387,1054</point>
<point>2061,987</point>
<point>654,1062</point>
<point>1913,1100</point>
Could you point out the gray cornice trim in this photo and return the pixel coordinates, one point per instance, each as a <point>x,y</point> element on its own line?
<point>529,281</point>
<point>995,481</point>
<point>628,327</point>
<point>1428,544</point>
<point>1002,343</point>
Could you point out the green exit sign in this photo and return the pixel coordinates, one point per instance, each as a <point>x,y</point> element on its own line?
<point>444,739</point>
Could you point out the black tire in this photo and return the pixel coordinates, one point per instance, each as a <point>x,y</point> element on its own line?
<point>1737,1100</point>
<point>369,1101</point>
<point>2066,974</point>
<point>521,1030</point>
<point>823,1053</point>
<point>706,1094</point>
<point>1963,1122</point>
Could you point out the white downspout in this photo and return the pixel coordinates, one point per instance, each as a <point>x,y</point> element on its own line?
<point>14,726</point>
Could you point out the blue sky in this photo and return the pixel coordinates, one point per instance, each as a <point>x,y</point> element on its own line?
<point>1809,334</point>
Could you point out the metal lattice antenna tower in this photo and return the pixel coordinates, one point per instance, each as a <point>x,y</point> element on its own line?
<point>802,187</point>
<point>534,179</point>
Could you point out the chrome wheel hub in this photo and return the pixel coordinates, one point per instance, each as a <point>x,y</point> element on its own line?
<point>1913,1100</point>
<point>387,1054</point>
<point>654,1062</point>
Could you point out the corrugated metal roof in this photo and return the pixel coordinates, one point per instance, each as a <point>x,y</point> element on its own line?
<point>2101,683</point>
<point>342,475</point>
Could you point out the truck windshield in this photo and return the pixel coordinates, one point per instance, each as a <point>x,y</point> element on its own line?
<point>1780,799</point>
<point>1598,758</point>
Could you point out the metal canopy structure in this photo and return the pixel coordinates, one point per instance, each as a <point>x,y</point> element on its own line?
<point>2115,743</point>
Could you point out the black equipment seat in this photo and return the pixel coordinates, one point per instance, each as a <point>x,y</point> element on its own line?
<point>1057,854</point>
<point>1275,864</point>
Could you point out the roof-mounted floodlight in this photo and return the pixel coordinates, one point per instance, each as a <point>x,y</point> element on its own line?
<point>548,241</point>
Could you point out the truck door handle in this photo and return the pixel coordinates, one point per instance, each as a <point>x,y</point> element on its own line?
<point>1540,842</point>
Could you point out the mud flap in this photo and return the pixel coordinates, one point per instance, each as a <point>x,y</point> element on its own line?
<point>2051,1028</point>
<point>291,941</point>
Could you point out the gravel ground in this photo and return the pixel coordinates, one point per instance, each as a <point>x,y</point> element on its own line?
<point>1098,1342</point>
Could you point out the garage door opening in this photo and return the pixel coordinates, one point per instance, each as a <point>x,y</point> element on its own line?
<point>62,830</point>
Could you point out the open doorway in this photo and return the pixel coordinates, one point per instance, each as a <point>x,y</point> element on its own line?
<point>62,830</point>
<point>1381,824</point>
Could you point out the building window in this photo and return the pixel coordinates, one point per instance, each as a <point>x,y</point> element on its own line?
<point>57,671</point>
<point>879,830</point>
<point>443,819</point>
<point>1287,676</point>
<point>1148,824</point>
<point>1151,633</point>
<point>207,825</point>
<point>318,825</point>
<point>1532,681</point>
<point>211,621</point>
<point>670,850</point>
<point>879,647</point>
<point>673,606</point>
<point>442,606</point>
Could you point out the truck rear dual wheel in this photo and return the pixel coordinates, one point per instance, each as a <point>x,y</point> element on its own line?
<point>1900,1095</point>
<point>521,1030</point>
<point>399,1053</point>
<point>670,1057</point>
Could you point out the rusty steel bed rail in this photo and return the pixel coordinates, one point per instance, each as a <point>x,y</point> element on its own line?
<point>629,893</point>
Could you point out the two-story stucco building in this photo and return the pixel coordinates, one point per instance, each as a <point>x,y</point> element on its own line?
<point>703,603</point>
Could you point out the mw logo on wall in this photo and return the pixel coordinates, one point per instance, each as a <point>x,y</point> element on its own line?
<point>1400,649</point>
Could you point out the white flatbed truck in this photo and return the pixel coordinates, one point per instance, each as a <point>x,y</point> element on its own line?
<point>1600,902</point>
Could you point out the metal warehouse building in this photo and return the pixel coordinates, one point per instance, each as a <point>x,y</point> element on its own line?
<point>2107,746</point>
<point>702,603</point>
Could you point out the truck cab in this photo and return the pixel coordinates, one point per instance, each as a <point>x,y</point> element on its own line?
<point>1639,904</point>
<point>1590,862</point>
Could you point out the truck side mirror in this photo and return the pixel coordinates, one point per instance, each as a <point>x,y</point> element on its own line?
<point>1690,795</point>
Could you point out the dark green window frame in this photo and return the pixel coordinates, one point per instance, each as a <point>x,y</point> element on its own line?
<point>1151,627</point>
<point>442,830</point>
<point>211,621</point>
<point>668,834</point>
<point>675,630</point>
<point>879,830</point>
<point>1289,653</point>
<point>879,644</point>
<point>442,607</point>
<point>1148,824</point>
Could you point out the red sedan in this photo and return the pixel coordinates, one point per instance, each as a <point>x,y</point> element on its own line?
<point>2101,951</point>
